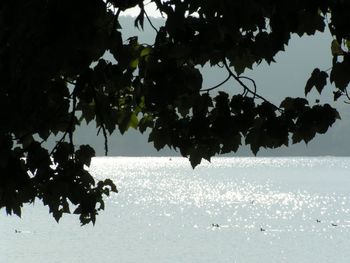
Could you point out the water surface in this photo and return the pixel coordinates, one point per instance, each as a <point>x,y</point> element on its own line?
<point>230,210</point>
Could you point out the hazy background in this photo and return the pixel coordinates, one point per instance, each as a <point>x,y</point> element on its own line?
<point>285,78</point>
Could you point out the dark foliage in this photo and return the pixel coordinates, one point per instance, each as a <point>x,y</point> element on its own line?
<point>49,86</point>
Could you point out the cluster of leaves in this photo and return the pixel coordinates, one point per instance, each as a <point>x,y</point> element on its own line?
<point>54,76</point>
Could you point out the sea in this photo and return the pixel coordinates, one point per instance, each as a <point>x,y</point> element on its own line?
<point>233,209</point>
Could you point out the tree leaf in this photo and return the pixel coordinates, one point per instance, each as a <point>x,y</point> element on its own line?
<point>84,154</point>
<point>336,48</point>
<point>318,79</point>
<point>340,74</point>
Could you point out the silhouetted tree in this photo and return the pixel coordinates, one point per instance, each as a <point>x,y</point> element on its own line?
<point>54,76</point>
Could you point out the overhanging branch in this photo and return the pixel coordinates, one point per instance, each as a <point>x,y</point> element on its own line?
<point>246,88</point>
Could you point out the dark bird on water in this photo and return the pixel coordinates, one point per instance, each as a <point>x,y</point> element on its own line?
<point>215,225</point>
<point>262,229</point>
<point>334,224</point>
<point>318,221</point>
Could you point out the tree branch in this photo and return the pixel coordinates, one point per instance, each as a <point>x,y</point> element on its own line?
<point>254,84</point>
<point>246,88</point>
<point>71,124</point>
<point>69,130</point>
<point>150,22</point>
<point>98,112</point>
<point>218,85</point>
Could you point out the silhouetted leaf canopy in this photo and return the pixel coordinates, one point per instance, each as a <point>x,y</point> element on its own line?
<point>55,75</point>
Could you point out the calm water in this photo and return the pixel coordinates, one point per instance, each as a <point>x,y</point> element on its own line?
<point>262,209</point>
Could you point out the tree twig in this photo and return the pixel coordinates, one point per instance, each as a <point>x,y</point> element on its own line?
<point>71,123</point>
<point>69,130</point>
<point>98,112</point>
<point>238,79</point>
<point>253,81</point>
<point>218,85</point>
<point>150,22</point>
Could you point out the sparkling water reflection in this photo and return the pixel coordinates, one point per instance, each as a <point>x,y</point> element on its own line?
<point>230,193</point>
<point>231,210</point>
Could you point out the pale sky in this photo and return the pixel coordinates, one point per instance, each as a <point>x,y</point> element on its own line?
<point>150,7</point>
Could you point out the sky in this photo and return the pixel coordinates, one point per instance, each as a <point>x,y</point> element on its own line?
<point>285,78</point>
<point>150,8</point>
